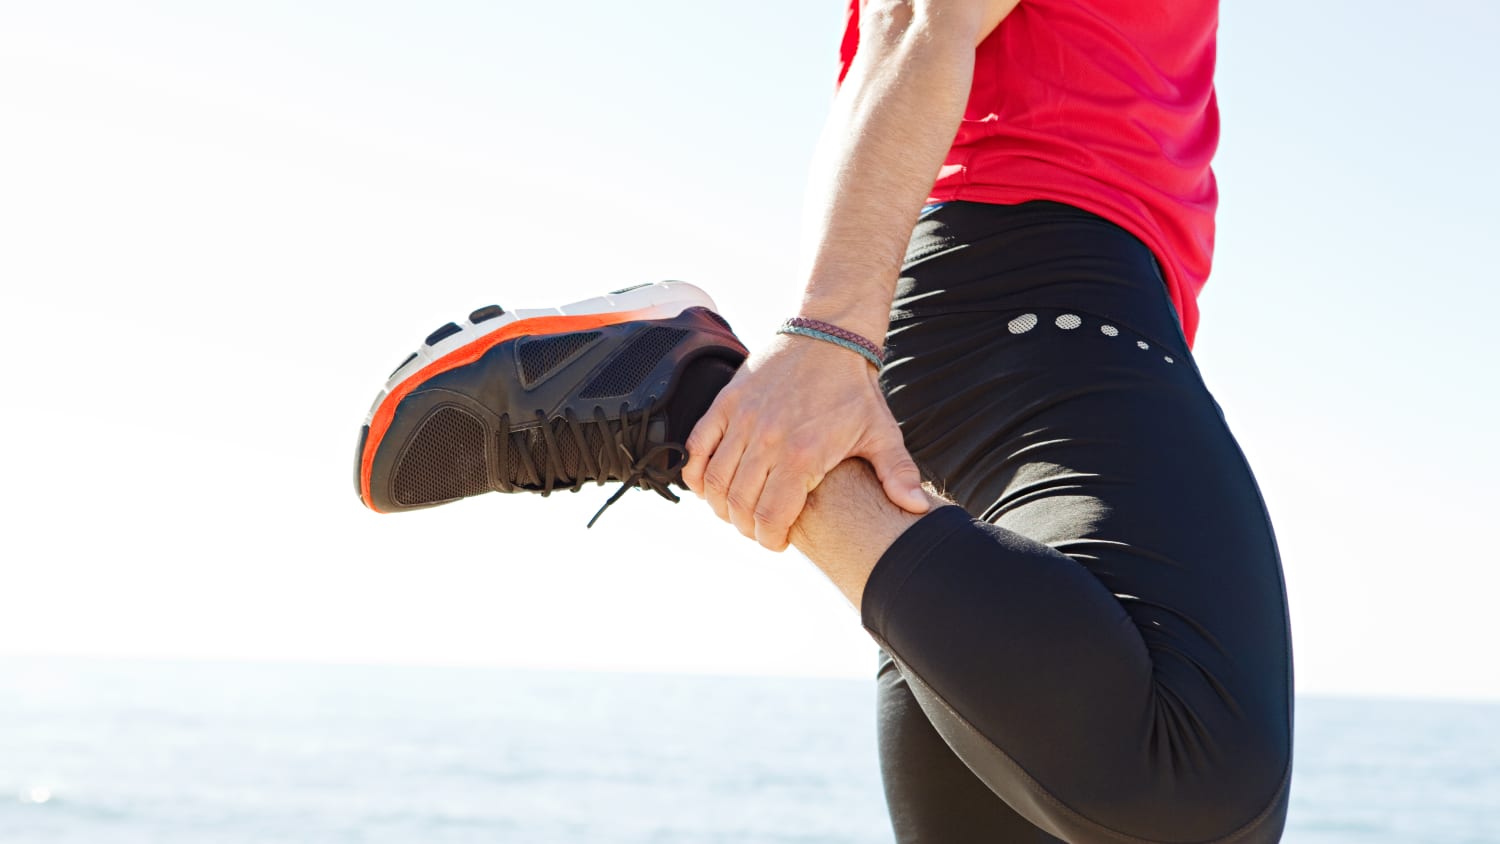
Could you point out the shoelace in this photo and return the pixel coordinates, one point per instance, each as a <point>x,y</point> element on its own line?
<point>621,461</point>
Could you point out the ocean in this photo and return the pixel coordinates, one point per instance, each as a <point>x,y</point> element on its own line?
<point>119,752</point>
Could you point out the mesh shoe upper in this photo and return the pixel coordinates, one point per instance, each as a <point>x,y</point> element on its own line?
<point>541,412</point>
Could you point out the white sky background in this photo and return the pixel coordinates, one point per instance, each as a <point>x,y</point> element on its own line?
<point>221,225</point>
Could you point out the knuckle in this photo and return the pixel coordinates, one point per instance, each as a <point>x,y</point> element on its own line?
<point>803,460</point>
<point>738,504</point>
<point>904,464</point>
<point>799,446</point>
<point>715,481</point>
<point>803,449</point>
<point>772,524</point>
<point>701,436</point>
<point>774,515</point>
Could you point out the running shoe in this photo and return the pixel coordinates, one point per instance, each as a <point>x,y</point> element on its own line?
<point>602,390</point>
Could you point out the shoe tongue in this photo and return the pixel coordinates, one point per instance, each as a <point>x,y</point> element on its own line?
<point>700,383</point>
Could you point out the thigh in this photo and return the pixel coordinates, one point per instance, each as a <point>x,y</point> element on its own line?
<point>1040,379</point>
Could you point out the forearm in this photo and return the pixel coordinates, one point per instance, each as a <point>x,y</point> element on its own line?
<point>889,130</point>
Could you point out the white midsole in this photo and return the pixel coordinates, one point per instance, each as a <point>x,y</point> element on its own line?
<point>661,300</point>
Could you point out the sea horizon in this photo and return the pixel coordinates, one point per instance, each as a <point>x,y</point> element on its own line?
<point>171,751</point>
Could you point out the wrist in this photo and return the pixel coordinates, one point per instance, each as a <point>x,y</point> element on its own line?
<point>828,332</point>
<point>859,318</point>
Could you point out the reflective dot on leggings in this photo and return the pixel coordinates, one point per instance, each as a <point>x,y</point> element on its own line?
<point>1109,330</point>
<point>1143,344</point>
<point>1069,321</point>
<point>1022,324</point>
<point>1167,358</point>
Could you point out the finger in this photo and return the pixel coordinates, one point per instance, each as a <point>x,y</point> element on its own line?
<point>700,445</point>
<point>781,503</point>
<point>745,490</point>
<point>720,472</point>
<point>898,472</point>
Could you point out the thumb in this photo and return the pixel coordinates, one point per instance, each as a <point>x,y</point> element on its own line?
<point>700,444</point>
<point>897,471</point>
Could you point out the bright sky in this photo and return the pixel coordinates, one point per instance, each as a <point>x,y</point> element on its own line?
<point>221,225</point>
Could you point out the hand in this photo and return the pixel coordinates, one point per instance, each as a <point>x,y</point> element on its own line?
<point>789,415</point>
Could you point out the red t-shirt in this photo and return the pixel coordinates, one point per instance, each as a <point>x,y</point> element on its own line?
<point>1105,105</point>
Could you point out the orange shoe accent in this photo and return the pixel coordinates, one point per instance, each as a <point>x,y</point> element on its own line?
<point>464,355</point>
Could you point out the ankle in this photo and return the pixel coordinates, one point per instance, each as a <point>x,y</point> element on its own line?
<point>699,384</point>
<point>848,523</point>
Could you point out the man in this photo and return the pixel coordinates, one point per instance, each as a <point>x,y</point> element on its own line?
<point>1082,616</point>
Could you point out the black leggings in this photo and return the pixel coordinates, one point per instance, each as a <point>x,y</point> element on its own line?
<point>1100,654</point>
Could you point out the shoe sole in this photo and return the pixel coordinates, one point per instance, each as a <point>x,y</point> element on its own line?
<point>460,344</point>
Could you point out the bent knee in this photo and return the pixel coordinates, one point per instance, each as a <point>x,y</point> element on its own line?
<point>1231,789</point>
<point>1183,782</point>
<point>1225,810</point>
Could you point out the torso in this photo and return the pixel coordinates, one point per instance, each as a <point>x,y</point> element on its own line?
<point>1106,105</point>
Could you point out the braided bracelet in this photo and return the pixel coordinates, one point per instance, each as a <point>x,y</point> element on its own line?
<point>828,332</point>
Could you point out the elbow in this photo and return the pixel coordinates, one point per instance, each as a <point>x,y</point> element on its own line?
<point>887,24</point>
<point>884,24</point>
